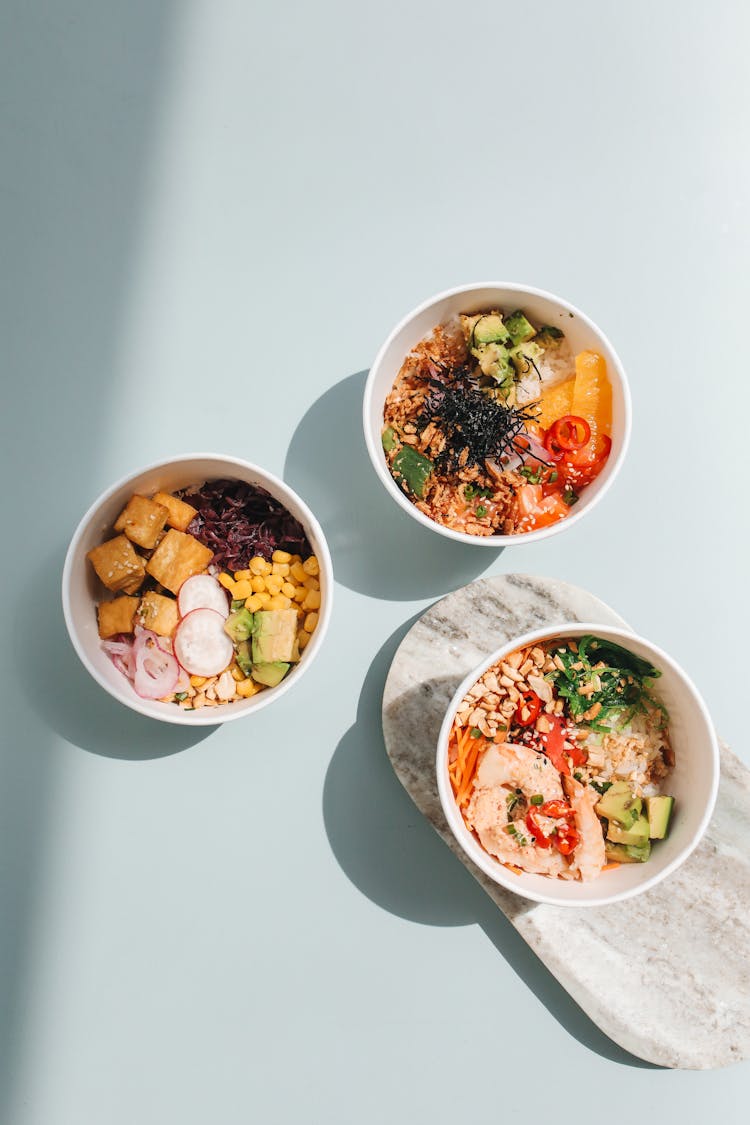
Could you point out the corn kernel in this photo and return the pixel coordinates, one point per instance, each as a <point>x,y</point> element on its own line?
<point>253,603</point>
<point>312,601</point>
<point>240,574</point>
<point>259,565</point>
<point>237,674</point>
<point>274,583</point>
<point>279,601</point>
<point>258,583</point>
<point>227,581</point>
<point>197,681</point>
<point>264,597</point>
<point>247,687</point>
<point>300,593</point>
<point>303,640</point>
<point>311,583</point>
<point>310,566</point>
<point>310,622</point>
<point>289,589</point>
<point>297,572</point>
<point>281,556</point>
<point>282,569</point>
<point>296,558</point>
<point>242,589</point>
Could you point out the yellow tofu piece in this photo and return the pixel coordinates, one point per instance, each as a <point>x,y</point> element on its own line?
<point>116,616</point>
<point>158,613</point>
<point>118,565</point>
<point>180,513</point>
<point>142,521</point>
<point>177,558</point>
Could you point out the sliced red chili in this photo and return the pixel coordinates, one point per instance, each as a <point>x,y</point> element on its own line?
<point>577,754</point>
<point>570,432</point>
<point>557,809</point>
<point>553,744</point>
<point>531,705</point>
<point>566,840</point>
<point>542,840</point>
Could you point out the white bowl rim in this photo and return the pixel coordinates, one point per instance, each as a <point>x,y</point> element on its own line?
<point>229,712</point>
<point>474,851</point>
<point>373,443</point>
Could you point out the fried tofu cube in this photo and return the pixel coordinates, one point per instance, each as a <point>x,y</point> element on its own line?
<point>142,520</point>
<point>157,613</point>
<point>178,557</point>
<point>118,565</point>
<point>116,616</point>
<point>181,515</point>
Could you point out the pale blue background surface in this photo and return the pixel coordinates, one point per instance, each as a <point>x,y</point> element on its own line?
<point>212,214</point>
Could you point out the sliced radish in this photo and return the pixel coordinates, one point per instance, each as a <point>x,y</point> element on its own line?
<point>200,643</point>
<point>156,671</point>
<point>202,592</point>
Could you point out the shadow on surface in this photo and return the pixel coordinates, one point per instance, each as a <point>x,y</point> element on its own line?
<point>81,94</point>
<point>388,849</point>
<point>72,703</point>
<point>377,548</point>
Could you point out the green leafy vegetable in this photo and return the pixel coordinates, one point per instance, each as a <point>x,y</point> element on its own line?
<point>619,679</point>
<point>413,468</point>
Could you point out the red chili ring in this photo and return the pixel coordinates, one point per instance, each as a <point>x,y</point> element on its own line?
<point>565,432</point>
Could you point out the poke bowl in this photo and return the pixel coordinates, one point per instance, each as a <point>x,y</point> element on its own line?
<point>496,413</point>
<point>198,589</point>
<point>577,765</point>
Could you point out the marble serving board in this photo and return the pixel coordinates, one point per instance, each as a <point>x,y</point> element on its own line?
<point>685,944</point>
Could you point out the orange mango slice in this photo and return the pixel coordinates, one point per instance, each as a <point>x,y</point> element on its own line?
<point>592,392</point>
<point>556,402</point>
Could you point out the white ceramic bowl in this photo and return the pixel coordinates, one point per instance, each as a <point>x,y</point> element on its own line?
<point>693,782</point>
<point>81,588</point>
<point>542,308</point>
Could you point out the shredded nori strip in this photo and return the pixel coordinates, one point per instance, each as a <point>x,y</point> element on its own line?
<point>239,521</point>
<point>472,420</point>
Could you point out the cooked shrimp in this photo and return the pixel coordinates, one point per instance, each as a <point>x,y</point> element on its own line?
<point>587,859</point>
<point>504,769</point>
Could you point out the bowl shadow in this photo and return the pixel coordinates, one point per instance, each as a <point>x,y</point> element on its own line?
<point>71,703</point>
<point>377,548</point>
<point>390,852</point>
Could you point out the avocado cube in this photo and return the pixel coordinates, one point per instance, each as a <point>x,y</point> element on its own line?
<point>489,329</point>
<point>620,803</point>
<point>519,328</point>
<point>637,833</point>
<point>240,625</point>
<point>275,636</point>
<point>626,853</point>
<point>270,674</point>
<point>142,521</point>
<point>659,811</point>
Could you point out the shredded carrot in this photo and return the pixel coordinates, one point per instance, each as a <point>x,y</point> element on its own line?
<point>469,773</point>
<point>610,866</point>
<point>512,867</point>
